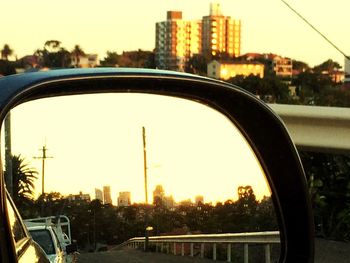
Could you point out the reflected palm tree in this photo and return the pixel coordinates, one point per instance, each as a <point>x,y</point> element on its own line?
<point>23,180</point>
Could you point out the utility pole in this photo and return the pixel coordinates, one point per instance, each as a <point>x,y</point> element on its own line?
<point>146,187</point>
<point>43,158</point>
<point>145,162</point>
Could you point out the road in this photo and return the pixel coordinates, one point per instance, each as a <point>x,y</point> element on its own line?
<point>136,256</point>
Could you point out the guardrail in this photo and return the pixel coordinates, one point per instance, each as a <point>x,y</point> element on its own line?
<point>170,244</point>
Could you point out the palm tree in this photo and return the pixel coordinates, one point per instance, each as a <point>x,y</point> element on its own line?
<point>23,180</point>
<point>77,52</point>
<point>6,52</point>
<point>52,45</point>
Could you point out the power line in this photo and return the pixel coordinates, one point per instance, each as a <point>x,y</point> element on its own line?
<point>315,29</point>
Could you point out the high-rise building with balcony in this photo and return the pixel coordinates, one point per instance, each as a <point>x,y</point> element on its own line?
<point>220,34</point>
<point>176,41</point>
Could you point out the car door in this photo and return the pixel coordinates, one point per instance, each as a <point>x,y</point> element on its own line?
<point>26,249</point>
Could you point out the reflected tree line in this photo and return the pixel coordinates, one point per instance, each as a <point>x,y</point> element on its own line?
<point>93,222</point>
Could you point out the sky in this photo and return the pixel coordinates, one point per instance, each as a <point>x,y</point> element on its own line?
<point>96,140</point>
<point>114,25</point>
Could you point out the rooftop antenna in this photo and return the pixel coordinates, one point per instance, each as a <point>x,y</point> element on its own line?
<point>315,29</point>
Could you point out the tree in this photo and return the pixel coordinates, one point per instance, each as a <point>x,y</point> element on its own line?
<point>334,97</point>
<point>328,66</point>
<point>77,52</point>
<point>270,88</point>
<point>197,64</point>
<point>53,55</point>
<point>6,52</point>
<point>111,60</point>
<point>23,180</point>
<point>7,68</point>
<point>300,66</point>
<point>329,186</point>
<point>137,59</point>
<point>246,197</point>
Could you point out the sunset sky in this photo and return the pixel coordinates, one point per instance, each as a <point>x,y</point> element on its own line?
<point>96,140</point>
<point>98,26</point>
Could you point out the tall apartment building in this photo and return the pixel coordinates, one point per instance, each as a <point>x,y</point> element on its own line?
<point>124,199</point>
<point>107,199</point>
<point>176,41</point>
<point>220,34</point>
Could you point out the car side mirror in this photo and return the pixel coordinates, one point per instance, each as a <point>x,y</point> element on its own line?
<point>262,130</point>
<point>71,248</point>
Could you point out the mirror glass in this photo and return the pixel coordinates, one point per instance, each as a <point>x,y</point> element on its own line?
<point>118,166</point>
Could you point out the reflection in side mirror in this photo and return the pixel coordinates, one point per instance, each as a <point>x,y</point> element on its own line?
<point>125,166</point>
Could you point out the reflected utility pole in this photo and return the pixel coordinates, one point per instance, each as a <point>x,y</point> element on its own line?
<point>43,158</point>
<point>146,186</point>
<point>145,162</point>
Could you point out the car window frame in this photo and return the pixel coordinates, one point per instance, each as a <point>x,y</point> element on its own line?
<point>22,244</point>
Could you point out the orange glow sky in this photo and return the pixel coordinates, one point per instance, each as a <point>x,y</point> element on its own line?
<point>98,26</point>
<point>96,140</point>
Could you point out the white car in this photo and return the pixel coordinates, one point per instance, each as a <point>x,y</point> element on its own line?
<point>47,238</point>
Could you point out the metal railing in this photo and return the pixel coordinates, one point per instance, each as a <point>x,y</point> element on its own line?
<point>170,244</point>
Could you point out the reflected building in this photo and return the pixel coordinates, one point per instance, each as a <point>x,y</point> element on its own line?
<point>169,202</point>
<point>79,197</point>
<point>124,199</point>
<point>159,198</point>
<point>199,199</point>
<point>158,194</point>
<point>107,199</point>
<point>99,194</point>
<point>186,202</point>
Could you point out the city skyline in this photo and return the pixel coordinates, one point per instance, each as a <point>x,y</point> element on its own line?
<point>123,198</point>
<point>269,27</point>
